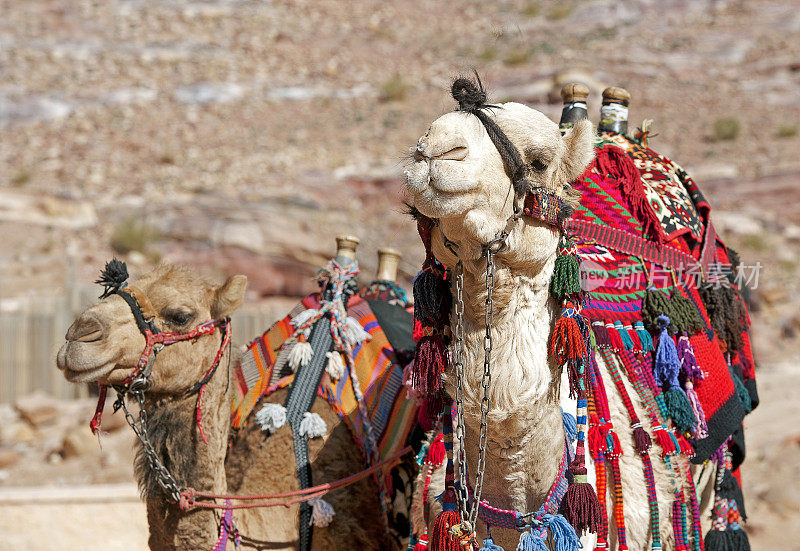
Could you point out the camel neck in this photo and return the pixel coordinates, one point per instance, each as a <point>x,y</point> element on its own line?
<point>525,431</point>
<point>174,433</point>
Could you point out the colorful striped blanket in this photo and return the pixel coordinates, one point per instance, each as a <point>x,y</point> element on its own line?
<point>264,368</point>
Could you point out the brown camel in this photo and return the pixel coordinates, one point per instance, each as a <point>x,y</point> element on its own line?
<point>104,345</point>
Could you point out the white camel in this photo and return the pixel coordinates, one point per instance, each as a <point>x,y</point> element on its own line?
<point>458,178</point>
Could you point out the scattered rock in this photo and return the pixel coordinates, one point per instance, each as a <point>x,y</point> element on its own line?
<point>37,408</point>
<point>8,458</point>
<point>246,235</point>
<point>78,442</point>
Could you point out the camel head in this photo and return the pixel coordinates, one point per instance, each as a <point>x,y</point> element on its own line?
<point>104,343</point>
<point>458,177</point>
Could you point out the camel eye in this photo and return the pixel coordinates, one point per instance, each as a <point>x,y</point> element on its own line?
<point>178,317</point>
<point>538,164</point>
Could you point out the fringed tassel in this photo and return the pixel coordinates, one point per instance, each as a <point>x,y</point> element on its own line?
<point>566,342</point>
<point>596,438</point>
<point>430,361</point>
<point>566,280</point>
<point>667,364</point>
<point>689,367</point>
<point>613,161</point>
<point>354,332</point>
<point>322,512</point>
<point>644,336</point>
<point>488,545</point>
<point>685,447</point>
<point>303,317</point>
<point>687,316</point>
<point>313,426</point>
<point>436,452</point>
<point>441,539</point>
<point>627,343</point>
<point>335,365</point>
<point>741,392</point>
<point>654,304</point>
<point>271,417</point>
<point>700,426</point>
<point>300,355</point>
<point>614,337</point>
<point>580,505</point>
<point>679,409</point>
<point>634,336</point>
<point>529,541</point>
<point>665,441</point>
<point>562,533</point>
<point>641,440</point>
<point>430,292</point>
<point>600,334</point>
<point>570,426</point>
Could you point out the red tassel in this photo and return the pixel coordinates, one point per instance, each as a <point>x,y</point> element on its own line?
<point>422,544</point>
<point>436,452</point>
<point>686,447</point>
<point>614,338</point>
<point>637,342</point>
<point>613,161</point>
<point>617,447</point>
<point>441,538</point>
<point>663,439</point>
<point>566,342</point>
<point>596,438</point>
<point>430,361</point>
<point>417,332</point>
<point>97,418</point>
<point>641,440</point>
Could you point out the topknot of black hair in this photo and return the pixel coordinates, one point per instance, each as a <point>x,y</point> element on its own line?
<point>113,277</point>
<point>469,95</point>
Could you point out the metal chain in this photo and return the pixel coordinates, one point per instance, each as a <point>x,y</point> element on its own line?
<point>470,512</point>
<point>486,381</point>
<point>139,426</point>
<point>458,361</point>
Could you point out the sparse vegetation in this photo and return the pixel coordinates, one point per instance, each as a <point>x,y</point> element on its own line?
<point>726,129</point>
<point>20,179</point>
<point>394,89</point>
<point>787,131</point>
<point>166,159</point>
<point>133,234</point>
<point>518,56</point>
<point>559,11</point>
<point>531,8</point>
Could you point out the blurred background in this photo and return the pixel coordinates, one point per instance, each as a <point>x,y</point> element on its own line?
<point>240,136</point>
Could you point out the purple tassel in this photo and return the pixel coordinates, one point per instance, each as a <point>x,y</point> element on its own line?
<point>667,364</point>
<point>581,507</point>
<point>701,426</point>
<point>688,360</point>
<point>641,440</point>
<point>601,334</point>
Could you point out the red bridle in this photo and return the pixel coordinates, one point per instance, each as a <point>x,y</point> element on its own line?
<point>155,341</point>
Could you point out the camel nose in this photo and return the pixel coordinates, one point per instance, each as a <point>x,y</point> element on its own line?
<point>450,147</point>
<point>87,328</point>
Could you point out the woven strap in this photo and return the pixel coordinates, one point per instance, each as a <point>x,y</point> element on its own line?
<point>627,243</point>
<point>298,402</point>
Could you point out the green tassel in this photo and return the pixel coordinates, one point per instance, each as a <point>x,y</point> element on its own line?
<point>679,409</point>
<point>685,314</point>
<point>566,281</point>
<point>741,392</point>
<point>654,304</point>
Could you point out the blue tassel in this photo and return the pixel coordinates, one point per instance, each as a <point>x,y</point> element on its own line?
<point>570,426</point>
<point>644,336</point>
<point>564,536</point>
<point>627,342</point>
<point>531,542</point>
<point>667,365</point>
<point>490,545</point>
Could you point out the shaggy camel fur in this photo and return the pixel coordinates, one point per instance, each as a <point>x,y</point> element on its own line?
<point>104,344</point>
<point>458,178</point>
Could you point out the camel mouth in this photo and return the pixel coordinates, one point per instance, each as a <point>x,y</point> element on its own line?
<point>80,363</point>
<point>437,194</point>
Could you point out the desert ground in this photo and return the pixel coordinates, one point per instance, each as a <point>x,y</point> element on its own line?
<point>239,136</point>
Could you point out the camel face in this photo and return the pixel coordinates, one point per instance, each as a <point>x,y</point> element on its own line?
<point>104,343</point>
<point>457,175</point>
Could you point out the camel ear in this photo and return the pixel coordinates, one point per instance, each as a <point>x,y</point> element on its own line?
<point>229,297</point>
<point>579,150</point>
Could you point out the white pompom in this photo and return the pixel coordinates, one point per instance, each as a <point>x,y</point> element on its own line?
<point>300,355</point>
<point>354,333</point>
<point>313,425</point>
<point>303,317</point>
<point>321,512</point>
<point>271,417</point>
<point>335,365</point>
